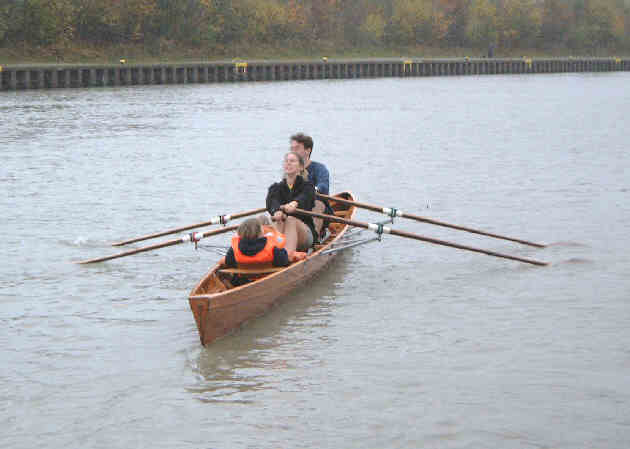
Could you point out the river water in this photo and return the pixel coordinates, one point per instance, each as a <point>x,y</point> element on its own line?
<point>399,344</point>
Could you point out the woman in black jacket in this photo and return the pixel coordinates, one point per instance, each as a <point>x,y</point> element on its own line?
<point>284,197</point>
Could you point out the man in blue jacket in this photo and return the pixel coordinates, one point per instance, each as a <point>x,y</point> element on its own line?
<point>317,174</point>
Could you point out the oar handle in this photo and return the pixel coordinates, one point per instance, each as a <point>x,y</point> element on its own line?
<point>397,213</point>
<point>189,238</point>
<point>350,203</point>
<point>379,228</point>
<point>219,219</point>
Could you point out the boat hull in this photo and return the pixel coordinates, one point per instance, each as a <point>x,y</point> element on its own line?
<point>219,310</point>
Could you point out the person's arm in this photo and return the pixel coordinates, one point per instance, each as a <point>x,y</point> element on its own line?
<point>230,260</point>
<point>280,257</point>
<point>274,203</point>
<point>306,198</point>
<point>322,178</point>
<point>273,199</point>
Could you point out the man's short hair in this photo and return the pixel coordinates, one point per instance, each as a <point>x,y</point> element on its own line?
<point>305,140</point>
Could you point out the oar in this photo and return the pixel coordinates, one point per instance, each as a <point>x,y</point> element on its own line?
<point>397,213</point>
<point>380,229</point>
<point>215,220</point>
<point>194,237</point>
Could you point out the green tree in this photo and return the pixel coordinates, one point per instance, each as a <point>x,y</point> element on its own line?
<point>557,19</point>
<point>455,16</point>
<point>519,24</point>
<point>98,22</point>
<point>268,22</point>
<point>604,23</point>
<point>373,28</point>
<point>481,26</point>
<point>411,22</point>
<point>6,14</point>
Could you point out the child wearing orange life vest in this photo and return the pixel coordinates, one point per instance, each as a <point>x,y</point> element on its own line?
<point>252,245</point>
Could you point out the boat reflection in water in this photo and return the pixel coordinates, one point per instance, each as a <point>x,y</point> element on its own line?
<point>261,354</point>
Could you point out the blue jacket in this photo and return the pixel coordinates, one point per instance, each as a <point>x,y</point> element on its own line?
<point>318,176</point>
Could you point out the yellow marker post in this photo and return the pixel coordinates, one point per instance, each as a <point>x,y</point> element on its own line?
<point>0,68</point>
<point>617,60</point>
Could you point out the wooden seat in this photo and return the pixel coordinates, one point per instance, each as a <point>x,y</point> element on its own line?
<point>250,271</point>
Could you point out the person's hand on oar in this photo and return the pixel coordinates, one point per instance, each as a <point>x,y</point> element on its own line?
<point>296,256</point>
<point>289,208</point>
<point>279,216</point>
<point>285,210</point>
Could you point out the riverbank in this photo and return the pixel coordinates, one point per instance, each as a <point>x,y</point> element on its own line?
<point>169,53</point>
<point>125,73</point>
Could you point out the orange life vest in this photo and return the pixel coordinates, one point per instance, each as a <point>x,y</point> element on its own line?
<point>265,256</point>
<point>271,233</point>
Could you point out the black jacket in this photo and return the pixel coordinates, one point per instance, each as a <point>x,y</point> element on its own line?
<point>303,192</point>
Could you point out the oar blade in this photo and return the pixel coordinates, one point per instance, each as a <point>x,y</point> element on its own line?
<point>132,252</point>
<point>193,237</point>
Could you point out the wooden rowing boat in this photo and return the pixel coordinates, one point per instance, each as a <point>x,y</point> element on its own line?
<point>220,308</point>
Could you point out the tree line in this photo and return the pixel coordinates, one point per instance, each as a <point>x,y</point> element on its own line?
<point>578,25</point>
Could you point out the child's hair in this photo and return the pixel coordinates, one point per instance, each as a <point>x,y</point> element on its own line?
<point>250,229</point>
<point>264,220</point>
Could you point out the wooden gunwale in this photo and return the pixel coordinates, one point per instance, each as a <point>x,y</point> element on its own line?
<point>219,313</point>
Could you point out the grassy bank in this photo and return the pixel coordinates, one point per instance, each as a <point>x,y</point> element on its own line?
<point>171,53</point>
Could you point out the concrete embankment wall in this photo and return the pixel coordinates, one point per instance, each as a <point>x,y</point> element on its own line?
<point>18,77</point>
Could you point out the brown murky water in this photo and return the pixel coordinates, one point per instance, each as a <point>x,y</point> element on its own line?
<point>399,345</point>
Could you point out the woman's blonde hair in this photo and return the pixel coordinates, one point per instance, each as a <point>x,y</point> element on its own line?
<point>250,229</point>
<point>303,173</point>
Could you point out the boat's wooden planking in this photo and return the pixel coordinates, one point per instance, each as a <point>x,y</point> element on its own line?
<point>219,307</point>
